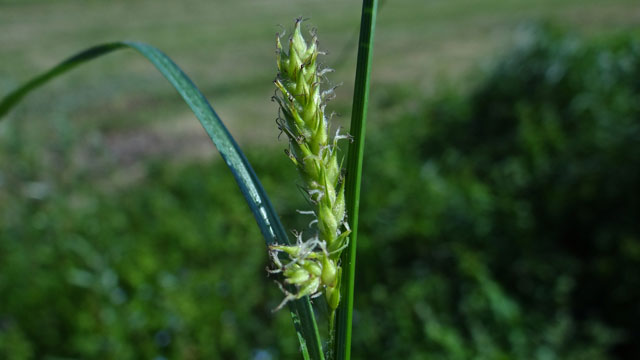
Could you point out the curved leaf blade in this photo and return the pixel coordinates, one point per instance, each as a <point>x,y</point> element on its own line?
<point>251,188</point>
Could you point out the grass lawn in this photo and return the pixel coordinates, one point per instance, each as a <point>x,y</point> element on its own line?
<point>113,114</point>
<point>227,47</point>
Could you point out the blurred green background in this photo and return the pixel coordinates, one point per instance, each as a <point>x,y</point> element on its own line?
<point>500,211</point>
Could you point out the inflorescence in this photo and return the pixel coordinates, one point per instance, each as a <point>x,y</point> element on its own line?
<point>312,264</point>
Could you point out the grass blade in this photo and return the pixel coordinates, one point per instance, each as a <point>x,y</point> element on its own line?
<point>342,342</point>
<point>250,186</point>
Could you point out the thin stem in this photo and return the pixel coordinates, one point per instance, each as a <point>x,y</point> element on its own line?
<point>342,342</point>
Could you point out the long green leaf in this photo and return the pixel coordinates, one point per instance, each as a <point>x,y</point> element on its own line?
<point>342,342</point>
<point>261,207</point>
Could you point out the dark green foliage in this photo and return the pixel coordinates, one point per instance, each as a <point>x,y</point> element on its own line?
<point>495,225</point>
<point>506,222</point>
<point>172,268</point>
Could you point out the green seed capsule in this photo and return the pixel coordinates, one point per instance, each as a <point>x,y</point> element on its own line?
<point>329,272</point>
<point>332,294</point>
<point>313,268</point>
<point>297,276</point>
<point>310,288</point>
<point>327,224</point>
<point>293,251</point>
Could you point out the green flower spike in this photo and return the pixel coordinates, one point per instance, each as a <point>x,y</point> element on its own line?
<point>311,265</point>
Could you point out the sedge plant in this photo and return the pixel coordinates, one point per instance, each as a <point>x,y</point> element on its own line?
<point>324,262</point>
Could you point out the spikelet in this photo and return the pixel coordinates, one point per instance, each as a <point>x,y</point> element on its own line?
<point>312,264</point>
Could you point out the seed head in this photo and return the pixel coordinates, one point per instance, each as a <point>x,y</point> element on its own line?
<point>313,265</point>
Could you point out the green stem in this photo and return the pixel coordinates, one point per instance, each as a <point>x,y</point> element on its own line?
<point>342,342</point>
<point>332,336</point>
